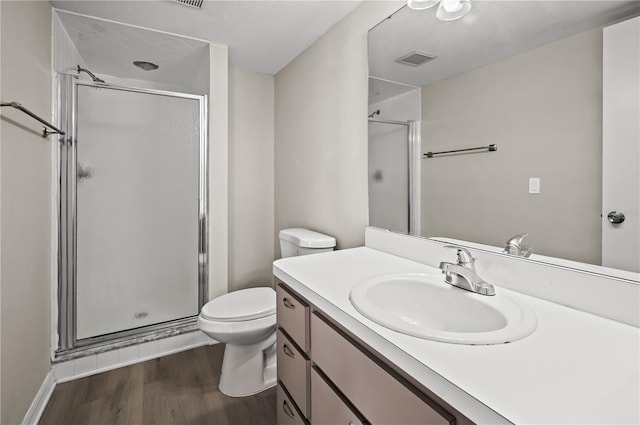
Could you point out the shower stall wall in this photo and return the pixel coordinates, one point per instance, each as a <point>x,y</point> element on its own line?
<point>133,211</point>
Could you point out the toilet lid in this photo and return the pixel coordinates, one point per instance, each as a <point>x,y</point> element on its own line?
<point>245,304</point>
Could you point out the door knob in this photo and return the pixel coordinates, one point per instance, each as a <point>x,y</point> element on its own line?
<point>615,217</point>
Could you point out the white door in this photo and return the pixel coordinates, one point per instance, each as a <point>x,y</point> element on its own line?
<point>621,146</point>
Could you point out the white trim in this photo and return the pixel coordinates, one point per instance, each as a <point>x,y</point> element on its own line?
<point>69,370</point>
<point>32,417</point>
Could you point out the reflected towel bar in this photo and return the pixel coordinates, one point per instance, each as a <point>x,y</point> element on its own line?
<point>45,132</point>
<point>490,148</point>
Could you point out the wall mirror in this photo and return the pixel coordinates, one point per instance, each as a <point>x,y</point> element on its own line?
<point>527,77</point>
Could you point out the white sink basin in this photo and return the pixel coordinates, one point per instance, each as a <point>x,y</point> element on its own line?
<point>423,305</point>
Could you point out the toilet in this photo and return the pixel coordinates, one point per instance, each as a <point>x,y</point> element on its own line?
<point>245,321</point>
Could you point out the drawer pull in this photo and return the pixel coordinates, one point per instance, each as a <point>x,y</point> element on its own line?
<point>287,409</point>
<point>288,303</point>
<point>288,351</point>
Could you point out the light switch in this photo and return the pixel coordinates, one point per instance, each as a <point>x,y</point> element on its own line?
<point>534,185</point>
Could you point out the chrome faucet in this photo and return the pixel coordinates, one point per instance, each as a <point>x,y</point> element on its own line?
<point>463,274</point>
<point>514,246</point>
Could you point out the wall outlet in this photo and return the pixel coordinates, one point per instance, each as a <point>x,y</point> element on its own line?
<point>534,185</point>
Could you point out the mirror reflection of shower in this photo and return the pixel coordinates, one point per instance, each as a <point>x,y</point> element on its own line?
<point>91,74</point>
<point>394,155</point>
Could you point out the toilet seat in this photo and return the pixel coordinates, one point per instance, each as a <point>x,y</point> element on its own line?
<point>241,317</point>
<point>240,306</point>
<point>240,332</point>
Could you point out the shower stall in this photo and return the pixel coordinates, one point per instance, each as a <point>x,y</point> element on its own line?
<point>132,212</point>
<point>394,173</point>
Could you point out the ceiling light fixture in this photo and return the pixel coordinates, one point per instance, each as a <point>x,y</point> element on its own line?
<point>421,4</point>
<point>448,10</point>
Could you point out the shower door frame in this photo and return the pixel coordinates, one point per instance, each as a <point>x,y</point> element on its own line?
<point>413,171</point>
<point>67,111</point>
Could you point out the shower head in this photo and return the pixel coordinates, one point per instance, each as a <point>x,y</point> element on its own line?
<point>93,77</point>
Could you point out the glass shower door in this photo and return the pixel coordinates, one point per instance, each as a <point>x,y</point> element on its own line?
<point>137,208</point>
<point>389,173</point>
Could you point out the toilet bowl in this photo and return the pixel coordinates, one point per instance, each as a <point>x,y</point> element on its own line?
<point>245,321</point>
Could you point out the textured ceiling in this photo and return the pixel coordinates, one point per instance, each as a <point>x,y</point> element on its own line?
<point>109,49</point>
<point>263,36</point>
<point>492,31</point>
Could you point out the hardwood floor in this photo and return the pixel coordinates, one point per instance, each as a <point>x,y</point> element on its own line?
<point>178,389</point>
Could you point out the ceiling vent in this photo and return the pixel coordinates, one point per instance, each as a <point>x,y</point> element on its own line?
<point>192,3</point>
<point>416,58</point>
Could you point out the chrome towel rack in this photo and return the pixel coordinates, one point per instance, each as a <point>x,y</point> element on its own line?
<point>490,148</point>
<point>45,131</point>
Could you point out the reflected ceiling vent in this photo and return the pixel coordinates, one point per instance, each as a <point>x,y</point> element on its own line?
<point>192,3</point>
<point>416,58</point>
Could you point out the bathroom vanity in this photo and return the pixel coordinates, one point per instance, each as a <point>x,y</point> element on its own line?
<point>341,379</point>
<point>580,364</point>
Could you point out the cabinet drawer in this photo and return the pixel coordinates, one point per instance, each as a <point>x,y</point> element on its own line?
<point>293,371</point>
<point>286,410</point>
<point>327,407</point>
<point>293,317</point>
<point>379,396</point>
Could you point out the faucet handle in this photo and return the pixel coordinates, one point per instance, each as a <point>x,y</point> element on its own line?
<point>514,246</point>
<point>464,256</point>
<point>516,240</point>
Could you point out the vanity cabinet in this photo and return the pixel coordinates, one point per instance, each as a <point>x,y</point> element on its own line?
<point>287,412</point>
<point>294,365</point>
<point>293,317</point>
<point>328,407</point>
<point>327,376</point>
<point>293,371</point>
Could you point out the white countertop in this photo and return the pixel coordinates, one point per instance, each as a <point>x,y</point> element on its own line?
<point>575,368</point>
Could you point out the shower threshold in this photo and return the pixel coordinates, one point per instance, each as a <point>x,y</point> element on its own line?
<point>114,341</point>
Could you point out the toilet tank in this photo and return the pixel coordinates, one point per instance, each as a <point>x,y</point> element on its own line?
<point>297,241</point>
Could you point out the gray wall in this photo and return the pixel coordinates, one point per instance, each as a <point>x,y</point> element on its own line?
<point>543,108</point>
<point>25,288</point>
<point>218,169</point>
<point>321,131</point>
<point>251,212</point>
